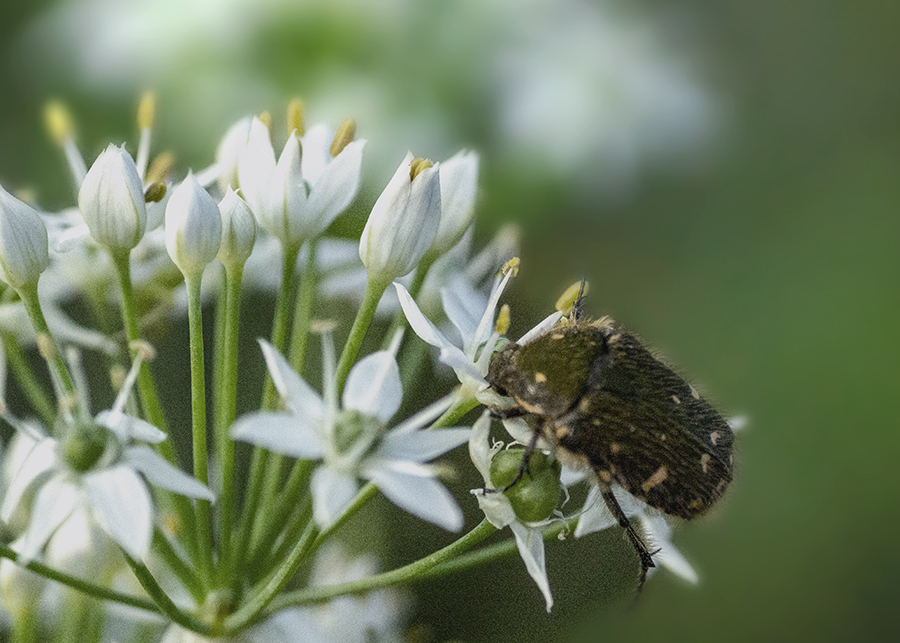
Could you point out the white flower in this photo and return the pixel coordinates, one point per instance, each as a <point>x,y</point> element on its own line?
<point>238,230</point>
<point>297,198</point>
<point>657,532</point>
<point>403,221</point>
<point>479,338</point>
<point>111,200</point>
<point>499,512</point>
<point>96,467</point>
<point>24,252</point>
<point>193,227</point>
<point>459,185</point>
<point>351,440</point>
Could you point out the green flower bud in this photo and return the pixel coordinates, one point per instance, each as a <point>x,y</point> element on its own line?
<point>535,495</point>
<point>193,227</point>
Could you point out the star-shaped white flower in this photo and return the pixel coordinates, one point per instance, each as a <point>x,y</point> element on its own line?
<point>351,441</point>
<point>657,532</point>
<point>112,490</point>
<point>499,512</point>
<point>470,358</point>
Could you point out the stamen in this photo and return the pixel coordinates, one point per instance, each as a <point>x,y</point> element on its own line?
<point>295,117</point>
<point>344,136</point>
<point>417,166</point>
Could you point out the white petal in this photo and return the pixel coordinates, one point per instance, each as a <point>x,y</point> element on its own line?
<point>336,188</point>
<point>426,416</point>
<point>423,497</point>
<point>373,386</point>
<point>421,446</point>
<point>55,501</point>
<point>299,396</point>
<point>256,165</point>
<point>40,459</point>
<point>597,515</point>
<point>123,508</point>
<point>128,428</point>
<point>331,492</point>
<point>658,535</point>
<point>420,324</point>
<point>462,365</point>
<point>161,473</point>
<point>316,151</point>
<point>464,307</point>
<point>280,432</point>
<point>480,450</point>
<point>531,547</point>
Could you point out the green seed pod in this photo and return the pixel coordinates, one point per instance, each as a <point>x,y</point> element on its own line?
<point>536,495</point>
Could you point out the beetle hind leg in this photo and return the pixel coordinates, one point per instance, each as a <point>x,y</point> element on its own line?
<point>643,553</point>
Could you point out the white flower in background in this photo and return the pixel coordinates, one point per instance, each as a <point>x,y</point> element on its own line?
<point>597,517</point>
<point>298,197</point>
<point>351,440</point>
<point>238,230</point>
<point>373,617</point>
<point>193,227</point>
<point>95,467</point>
<point>403,221</point>
<point>470,358</point>
<point>499,511</point>
<point>24,250</point>
<point>459,187</point>
<point>111,200</point>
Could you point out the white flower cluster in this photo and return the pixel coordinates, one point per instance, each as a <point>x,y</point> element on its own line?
<point>70,471</point>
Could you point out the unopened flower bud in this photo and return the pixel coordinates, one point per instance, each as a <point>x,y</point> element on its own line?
<point>193,227</point>
<point>24,252</point>
<point>535,495</point>
<point>459,185</point>
<point>111,200</point>
<point>238,230</point>
<point>403,221</point>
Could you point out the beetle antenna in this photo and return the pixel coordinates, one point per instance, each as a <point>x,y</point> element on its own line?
<point>578,306</point>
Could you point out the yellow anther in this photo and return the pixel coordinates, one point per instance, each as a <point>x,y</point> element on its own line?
<point>155,193</point>
<point>569,297</point>
<point>345,135</point>
<point>58,121</point>
<point>322,326</point>
<point>417,166</point>
<point>160,167</point>
<point>266,118</point>
<point>146,111</point>
<point>143,349</point>
<point>503,319</point>
<point>511,266</point>
<point>295,117</point>
<point>117,375</point>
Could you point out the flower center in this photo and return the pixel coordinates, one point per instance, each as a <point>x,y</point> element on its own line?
<point>83,445</point>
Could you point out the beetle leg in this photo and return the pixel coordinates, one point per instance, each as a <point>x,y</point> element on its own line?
<point>638,544</point>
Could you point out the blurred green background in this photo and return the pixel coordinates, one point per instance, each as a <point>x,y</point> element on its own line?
<point>754,239</point>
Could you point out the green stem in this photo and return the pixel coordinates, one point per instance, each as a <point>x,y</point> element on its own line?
<point>294,526</point>
<point>412,572</point>
<point>227,405</point>
<point>415,288</point>
<point>198,421</point>
<point>276,581</point>
<point>261,469</point>
<point>164,603</point>
<point>29,295</point>
<point>28,381</point>
<point>493,552</point>
<point>184,572</point>
<point>286,502</point>
<point>303,310</point>
<point>269,523</point>
<point>456,412</point>
<point>97,591</point>
<point>374,291</point>
<point>146,389</point>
